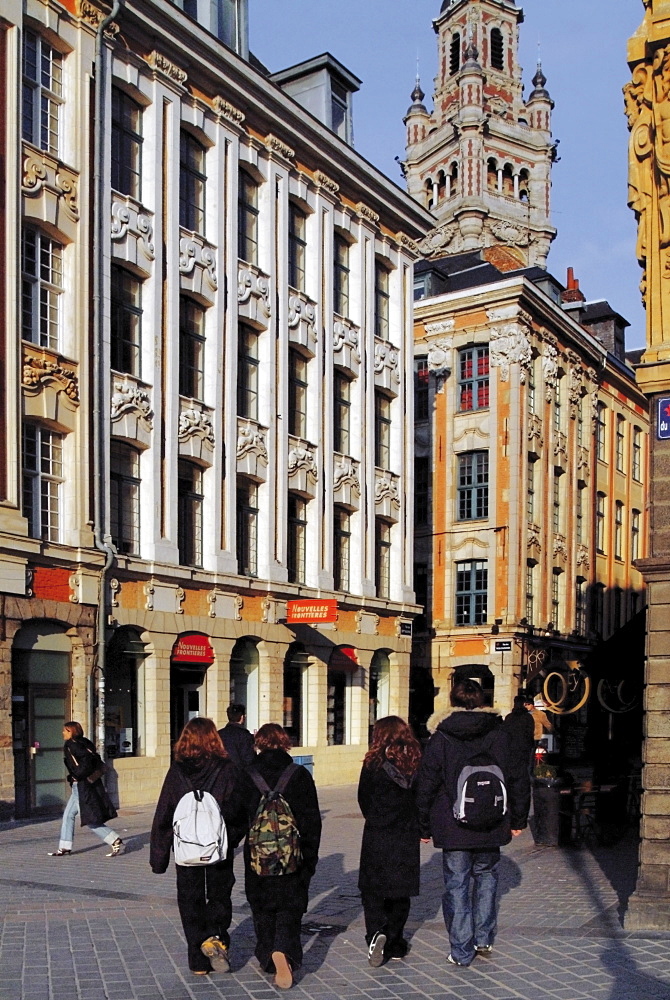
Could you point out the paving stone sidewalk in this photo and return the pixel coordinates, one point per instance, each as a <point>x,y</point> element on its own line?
<point>93,928</point>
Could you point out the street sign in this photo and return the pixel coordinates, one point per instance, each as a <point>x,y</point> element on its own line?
<point>503,646</point>
<point>405,628</point>
<point>663,422</point>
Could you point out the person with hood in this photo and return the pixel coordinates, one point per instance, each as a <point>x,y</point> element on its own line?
<point>236,738</point>
<point>390,865</point>
<point>521,728</point>
<point>200,763</point>
<point>88,796</point>
<point>278,902</point>
<point>470,734</point>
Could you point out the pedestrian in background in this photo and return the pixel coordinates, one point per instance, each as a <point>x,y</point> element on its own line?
<point>471,856</point>
<point>520,726</point>
<point>541,722</point>
<point>88,795</point>
<point>278,902</point>
<point>236,738</point>
<point>389,870</point>
<point>200,763</point>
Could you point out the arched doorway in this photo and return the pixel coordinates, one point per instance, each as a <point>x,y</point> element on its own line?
<point>379,689</point>
<point>40,705</point>
<point>477,672</point>
<point>341,666</point>
<point>244,679</point>
<point>191,655</point>
<point>124,695</point>
<point>296,666</point>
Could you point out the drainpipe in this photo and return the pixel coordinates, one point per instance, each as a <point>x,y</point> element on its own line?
<point>99,373</point>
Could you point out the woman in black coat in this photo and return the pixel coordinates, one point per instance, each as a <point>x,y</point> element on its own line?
<point>88,797</point>
<point>203,891</point>
<point>278,902</point>
<point>390,864</point>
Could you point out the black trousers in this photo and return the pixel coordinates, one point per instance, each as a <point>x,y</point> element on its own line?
<point>203,898</point>
<point>388,916</point>
<point>278,930</point>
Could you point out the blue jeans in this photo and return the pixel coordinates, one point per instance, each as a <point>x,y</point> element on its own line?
<point>470,911</point>
<point>67,826</point>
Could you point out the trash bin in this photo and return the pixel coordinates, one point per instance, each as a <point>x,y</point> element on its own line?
<point>307,761</point>
<point>550,825</point>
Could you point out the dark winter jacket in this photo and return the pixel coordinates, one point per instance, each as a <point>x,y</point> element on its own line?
<point>520,726</point>
<point>216,775</point>
<point>239,744</point>
<point>82,762</point>
<point>300,794</point>
<point>390,863</point>
<point>466,734</point>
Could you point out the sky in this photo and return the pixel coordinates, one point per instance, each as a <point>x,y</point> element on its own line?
<point>583,50</point>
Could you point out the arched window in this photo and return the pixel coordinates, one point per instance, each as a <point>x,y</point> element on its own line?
<point>524,182</point>
<point>508,180</point>
<point>429,193</point>
<point>380,688</point>
<point>296,666</point>
<point>455,54</point>
<point>497,49</point>
<point>341,666</point>
<point>441,186</point>
<point>124,695</point>
<point>244,679</point>
<point>453,180</point>
<point>492,175</point>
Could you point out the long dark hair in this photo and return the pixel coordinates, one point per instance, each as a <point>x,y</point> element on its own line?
<point>199,738</point>
<point>74,729</point>
<point>393,740</point>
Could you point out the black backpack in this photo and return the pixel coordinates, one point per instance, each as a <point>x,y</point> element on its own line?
<point>480,796</point>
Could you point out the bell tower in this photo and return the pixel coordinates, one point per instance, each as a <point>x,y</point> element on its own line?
<point>481,162</point>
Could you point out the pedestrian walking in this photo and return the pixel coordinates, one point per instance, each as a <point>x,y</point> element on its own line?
<point>541,721</point>
<point>281,851</point>
<point>88,795</point>
<point>390,864</point>
<point>473,795</point>
<point>236,738</point>
<point>201,765</point>
<point>520,726</point>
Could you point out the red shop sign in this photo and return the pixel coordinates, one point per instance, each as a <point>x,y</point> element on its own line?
<point>192,647</point>
<point>310,612</point>
<point>344,658</point>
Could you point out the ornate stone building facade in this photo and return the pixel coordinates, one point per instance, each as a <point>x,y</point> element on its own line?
<point>647,102</point>
<point>206,311</point>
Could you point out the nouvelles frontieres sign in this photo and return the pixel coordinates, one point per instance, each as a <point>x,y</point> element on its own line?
<point>310,612</point>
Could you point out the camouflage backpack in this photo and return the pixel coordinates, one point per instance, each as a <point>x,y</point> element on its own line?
<point>274,839</point>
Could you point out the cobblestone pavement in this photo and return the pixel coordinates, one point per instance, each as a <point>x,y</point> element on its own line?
<point>92,928</point>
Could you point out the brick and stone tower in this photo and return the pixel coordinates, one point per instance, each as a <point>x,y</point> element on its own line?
<point>482,161</point>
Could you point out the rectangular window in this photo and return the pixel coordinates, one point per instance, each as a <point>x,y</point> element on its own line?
<point>247,373</point>
<point>471,592</point>
<point>296,247</point>
<point>41,288</point>
<point>598,609</point>
<point>532,394</point>
<point>556,503</point>
<point>124,496</point>
<point>620,441</point>
<point>580,423</point>
<point>473,486</point>
<point>421,389</point>
<point>580,606</point>
<point>557,413</point>
<point>555,597</point>
<point>42,93</point>
<point>42,479</point>
<point>634,535</point>
<point>382,431</point>
<point>473,378</point>
<point>189,513</point>
<point>382,302</point>
<point>341,276</point>
<point>341,547</point>
<point>338,109</point>
<point>297,394</point>
<point>618,530</point>
<point>600,522</point>
<point>601,429</point>
<point>247,528</point>
<point>579,515</point>
<point>530,592</point>
<point>530,492</point>
<point>247,218</point>
<point>637,455</point>
<point>382,558</point>
<point>125,321</point>
<point>422,490</point>
<point>191,348</point>
<point>192,184</point>
<point>342,414</point>
<point>297,538</point>
<point>336,708</point>
<point>126,144</point>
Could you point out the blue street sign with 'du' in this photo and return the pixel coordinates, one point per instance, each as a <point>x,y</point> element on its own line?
<point>663,422</point>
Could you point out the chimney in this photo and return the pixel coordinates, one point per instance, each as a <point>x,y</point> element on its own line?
<point>572,292</point>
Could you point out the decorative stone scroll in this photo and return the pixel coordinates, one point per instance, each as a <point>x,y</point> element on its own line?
<point>51,190</point>
<point>582,558</point>
<point>560,551</point>
<point>251,450</point>
<point>386,365</point>
<point>224,605</point>
<point>132,231</point>
<point>325,182</point>
<point>535,434</point>
<point>195,423</point>
<point>225,109</point>
<point>406,243</point>
<point>161,64</point>
<point>302,458</point>
<point>443,326</point>
<point>346,351</point>
<point>346,483</point>
<point>253,295</point>
<point>275,145</point>
<point>439,356</point>
<point>509,345</point>
<point>129,398</point>
<point>197,266</point>
<point>302,321</point>
<point>387,496</point>
<point>437,239</point>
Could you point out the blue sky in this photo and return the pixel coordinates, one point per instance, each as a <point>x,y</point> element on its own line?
<point>583,47</point>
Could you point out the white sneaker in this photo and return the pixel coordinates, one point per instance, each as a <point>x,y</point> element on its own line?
<point>376,950</point>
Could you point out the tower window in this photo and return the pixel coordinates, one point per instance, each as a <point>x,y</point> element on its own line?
<point>455,54</point>
<point>497,49</point>
<point>453,180</point>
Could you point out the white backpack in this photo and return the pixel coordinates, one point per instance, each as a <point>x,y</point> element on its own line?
<point>200,835</point>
